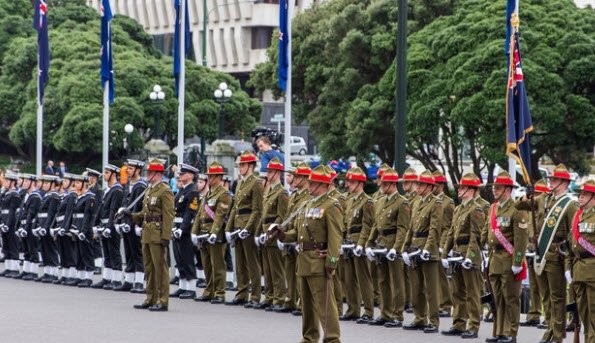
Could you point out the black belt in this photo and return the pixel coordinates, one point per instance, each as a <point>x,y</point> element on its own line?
<point>498,247</point>
<point>150,218</point>
<point>462,241</point>
<point>269,220</point>
<point>584,254</point>
<point>355,229</point>
<point>421,234</point>
<point>308,246</point>
<point>558,240</point>
<point>206,221</point>
<point>245,211</point>
<point>387,232</point>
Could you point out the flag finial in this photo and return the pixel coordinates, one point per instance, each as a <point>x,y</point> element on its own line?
<point>514,20</point>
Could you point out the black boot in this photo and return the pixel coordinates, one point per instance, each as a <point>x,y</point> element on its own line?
<point>100,284</point>
<point>125,287</point>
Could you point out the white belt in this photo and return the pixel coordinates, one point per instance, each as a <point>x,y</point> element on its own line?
<point>24,221</point>
<point>42,215</point>
<point>104,221</point>
<point>78,215</point>
<point>5,211</point>
<point>59,218</point>
<point>178,220</point>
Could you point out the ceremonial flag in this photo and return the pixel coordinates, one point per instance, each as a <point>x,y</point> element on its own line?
<point>284,37</point>
<point>518,115</point>
<point>40,24</point>
<point>107,71</point>
<point>177,59</point>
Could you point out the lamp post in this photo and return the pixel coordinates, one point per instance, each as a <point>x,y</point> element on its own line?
<point>128,128</point>
<point>222,95</point>
<point>157,96</point>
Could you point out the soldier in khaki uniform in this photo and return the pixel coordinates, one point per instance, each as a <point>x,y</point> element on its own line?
<point>245,216</point>
<point>582,256</point>
<point>550,265</point>
<point>424,235</point>
<point>448,206</point>
<point>534,314</point>
<point>371,264</point>
<point>319,238</point>
<point>156,218</point>
<point>274,210</point>
<point>210,220</point>
<point>463,238</point>
<point>359,219</point>
<point>507,234</point>
<point>392,215</point>
<point>297,200</point>
<point>409,181</point>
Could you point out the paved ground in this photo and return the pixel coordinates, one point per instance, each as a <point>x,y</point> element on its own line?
<point>32,311</point>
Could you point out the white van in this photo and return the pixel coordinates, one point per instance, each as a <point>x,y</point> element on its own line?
<point>298,146</point>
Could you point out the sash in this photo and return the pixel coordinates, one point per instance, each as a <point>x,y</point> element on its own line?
<point>505,242</point>
<point>585,244</point>
<point>209,212</point>
<point>548,231</point>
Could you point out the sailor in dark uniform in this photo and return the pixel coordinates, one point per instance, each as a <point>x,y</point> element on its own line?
<point>61,230</point>
<point>94,187</point>
<point>28,222</point>
<point>10,203</point>
<point>45,219</point>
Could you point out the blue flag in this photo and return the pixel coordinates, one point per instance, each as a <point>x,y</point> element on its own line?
<point>107,70</point>
<point>510,8</point>
<point>518,115</point>
<point>177,5</point>
<point>40,24</point>
<point>284,37</point>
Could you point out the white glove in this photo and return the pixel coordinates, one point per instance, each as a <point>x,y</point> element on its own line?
<point>257,241</point>
<point>177,233</point>
<point>23,233</point>
<point>281,246</point>
<point>568,276</point>
<point>107,233</point>
<point>97,230</point>
<point>42,232</point>
<point>516,269</point>
<point>212,238</point>
<point>54,232</point>
<point>370,254</point>
<point>81,236</point>
<point>406,259</point>
<point>118,228</point>
<point>391,255</point>
<point>228,237</point>
<point>35,232</point>
<point>194,238</point>
<point>262,238</point>
<point>138,230</point>
<point>467,264</point>
<point>4,228</point>
<point>61,232</point>
<point>125,228</point>
<point>341,252</point>
<point>425,255</point>
<point>445,263</point>
<point>440,250</point>
<point>358,251</point>
<point>243,234</point>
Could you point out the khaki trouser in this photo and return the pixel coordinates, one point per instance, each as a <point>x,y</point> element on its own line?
<point>506,292</point>
<point>425,292</point>
<point>445,290</point>
<point>374,274</point>
<point>318,303</point>
<point>213,260</point>
<point>466,292</point>
<point>155,263</point>
<point>552,284</point>
<point>358,285</point>
<point>535,296</point>
<point>247,269</point>
<point>274,275</point>
<point>338,285</point>
<point>392,287</point>
<point>585,299</point>
<point>407,278</point>
<point>292,297</point>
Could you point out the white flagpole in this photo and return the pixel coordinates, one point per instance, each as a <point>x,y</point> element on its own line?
<point>105,150</point>
<point>182,82</point>
<point>511,160</point>
<point>39,127</point>
<point>287,141</point>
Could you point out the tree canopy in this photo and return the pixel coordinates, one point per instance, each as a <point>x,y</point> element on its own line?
<point>344,79</point>
<point>73,95</point>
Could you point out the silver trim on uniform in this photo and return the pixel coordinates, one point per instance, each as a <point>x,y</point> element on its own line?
<point>78,215</point>
<point>178,220</point>
<point>59,218</point>
<point>5,211</point>
<point>42,215</point>
<point>104,221</point>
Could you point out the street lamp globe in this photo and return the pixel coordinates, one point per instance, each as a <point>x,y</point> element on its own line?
<point>218,93</point>
<point>223,86</point>
<point>157,88</point>
<point>227,93</point>
<point>157,93</point>
<point>128,128</point>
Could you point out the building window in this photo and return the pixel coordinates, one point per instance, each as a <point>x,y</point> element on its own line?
<point>261,37</point>
<point>165,44</point>
<point>266,1</point>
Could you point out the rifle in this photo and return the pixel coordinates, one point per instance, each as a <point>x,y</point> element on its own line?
<point>488,298</point>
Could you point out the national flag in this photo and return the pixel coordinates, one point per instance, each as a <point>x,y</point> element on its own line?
<point>177,5</point>
<point>284,37</point>
<point>518,115</point>
<point>107,70</point>
<point>40,24</point>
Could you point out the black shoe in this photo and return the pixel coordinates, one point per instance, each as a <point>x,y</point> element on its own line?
<point>100,284</point>
<point>444,313</point>
<point>203,299</point>
<point>20,275</point>
<point>274,308</point>
<point>297,313</point>
<point>452,332</point>
<point>4,272</point>
<point>13,274</point>
<point>469,334</point>
<point>542,325</point>
<point>217,300</point>
<point>347,318</point>
<point>39,278</point>
<point>174,281</point>
<point>158,308</point>
<point>188,295</point>
<point>49,279</point>
<point>125,287</point>
<point>59,281</point>
<point>507,340</point>
<point>378,321</point>
<point>393,324</point>
<point>236,302</point>
<point>261,306</point>
<point>493,339</point>
<point>414,326</point>
<point>137,287</point>
<point>250,304</point>
<point>29,277</point>
<point>533,322</point>
<point>85,283</point>
<point>72,282</point>
<point>365,319</point>
<point>109,286</point>
<point>284,309</point>
<point>177,293</point>
<point>142,306</point>
<point>430,329</point>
